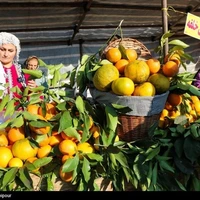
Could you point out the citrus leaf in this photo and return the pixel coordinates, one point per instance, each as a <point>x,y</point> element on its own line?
<point>178,43</point>
<point>65,121</point>
<point>4,101</point>
<point>86,169</point>
<point>70,164</point>
<point>10,108</point>
<point>95,156</point>
<point>9,176</point>
<point>18,121</point>
<point>80,104</point>
<point>25,178</point>
<point>72,132</point>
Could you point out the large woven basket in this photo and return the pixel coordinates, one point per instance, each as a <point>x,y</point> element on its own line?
<point>146,110</point>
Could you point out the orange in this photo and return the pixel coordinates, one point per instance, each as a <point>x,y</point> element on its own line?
<point>65,176</point>
<point>170,68</point>
<point>85,147</point>
<point>64,137</point>
<point>44,151</point>
<point>164,113</point>
<point>194,98</point>
<point>3,138</point>
<point>67,147</point>
<point>113,55</point>
<point>120,65</point>
<point>154,65</point>
<point>15,162</point>
<point>131,54</point>
<point>197,107</point>
<point>138,71</point>
<point>33,109</point>
<point>144,89</point>
<point>5,156</point>
<point>50,111</point>
<point>160,82</point>
<point>123,86</point>
<point>15,134</point>
<point>104,76</point>
<point>40,130</point>
<point>22,149</point>
<point>174,99</point>
<point>55,139</point>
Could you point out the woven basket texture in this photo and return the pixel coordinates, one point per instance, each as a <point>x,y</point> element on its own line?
<point>129,43</point>
<point>133,128</point>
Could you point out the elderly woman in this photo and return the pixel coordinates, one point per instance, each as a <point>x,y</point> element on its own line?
<point>10,69</point>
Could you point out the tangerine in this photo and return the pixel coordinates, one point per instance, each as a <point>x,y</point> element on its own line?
<point>85,147</point>
<point>170,68</point>
<point>65,176</point>
<point>123,86</point>
<point>113,55</point>
<point>120,65</point>
<point>173,57</point>
<point>33,109</point>
<point>49,112</point>
<point>138,71</point>
<point>5,156</point>
<point>131,54</point>
<point>67,147</point>
<point>144,89</point>
<point>15,134</point>
<point>174,99</point>
<point>104,76</point>
<point>154,65</point>
<point>160,82</point>
<point>55,139</point>
<point>3,138</point>
<point>15,162</point>
<point>44,151</point>
<point>23,149</point>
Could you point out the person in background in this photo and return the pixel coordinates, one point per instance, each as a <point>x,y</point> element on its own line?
<point>10,69</point>
<point>32,62</point>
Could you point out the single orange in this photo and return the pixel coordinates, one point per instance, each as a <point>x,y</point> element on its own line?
<point>44,151</point>
<point>154,65</point>
<point>173,57</point>
<point>174,99</point>
<point>65,176</point>
<point>50,111</point>
<point>15,134</point>
<point>131,54</point>
<point>67,147</point>
<point>15,162</point>
<point>5,156</point>
<point>33,109</point>
<point>113,55</point>
<point>55,139</point>
<point>120,65</point>
<point>3,138</point>
<point>170,68</point>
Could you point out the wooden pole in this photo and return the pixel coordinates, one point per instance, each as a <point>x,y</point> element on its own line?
<point>165,24</point>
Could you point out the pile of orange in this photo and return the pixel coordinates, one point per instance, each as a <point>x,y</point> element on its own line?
<point>133,69</point>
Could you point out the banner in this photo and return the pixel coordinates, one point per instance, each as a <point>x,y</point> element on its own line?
<point>192,26</point>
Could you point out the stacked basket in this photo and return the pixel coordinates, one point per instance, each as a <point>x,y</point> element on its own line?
<point>145,112</point>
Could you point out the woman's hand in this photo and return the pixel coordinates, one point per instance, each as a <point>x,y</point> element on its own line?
<point>32,84</point>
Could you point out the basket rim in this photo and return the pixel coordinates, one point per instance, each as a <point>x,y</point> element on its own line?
<point>129,43</point>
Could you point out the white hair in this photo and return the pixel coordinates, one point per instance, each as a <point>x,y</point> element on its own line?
<point>8,38</point>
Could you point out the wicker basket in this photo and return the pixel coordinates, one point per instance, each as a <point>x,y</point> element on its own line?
<point>129,43</point>
<point>133,128</point>
<point>134,125</point>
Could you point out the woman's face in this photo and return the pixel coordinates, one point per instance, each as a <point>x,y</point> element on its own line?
<point>32,64</point>
<point>7,54</point>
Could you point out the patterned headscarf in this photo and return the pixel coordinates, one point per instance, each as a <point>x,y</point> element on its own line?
<point>8,38</point>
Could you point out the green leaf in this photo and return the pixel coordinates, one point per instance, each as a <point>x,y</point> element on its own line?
<point>65,121</point>
<point>153,153</point>
<point>10,108</point>
<point>33,73</point>
<point>18,121</point>
<point>70,164</point>
<point>86,169</point>
<point>72,132</point>
<point>9,176</point>
<point>178,43</point>
<point>25,178</point>
<point>95,156</point>
<point>4,101</point>
<point>80,104</point>
<point>165,165</point>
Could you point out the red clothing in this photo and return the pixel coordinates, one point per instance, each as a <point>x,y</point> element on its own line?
<point>13,79</point>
